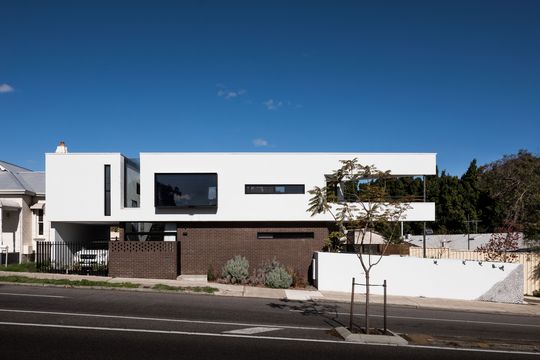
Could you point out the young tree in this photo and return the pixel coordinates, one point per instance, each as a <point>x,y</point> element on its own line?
<point>357,198</point>
<point>502,245</point>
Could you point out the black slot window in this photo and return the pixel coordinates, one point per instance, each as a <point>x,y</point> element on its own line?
<point>107,190</point>
<point>275,189</point>
<point>285,235</point>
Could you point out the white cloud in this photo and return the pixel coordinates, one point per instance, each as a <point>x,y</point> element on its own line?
<point>260,142</point>
<point>6,88</point>
<point>272,104</point>
<point>229,94</point>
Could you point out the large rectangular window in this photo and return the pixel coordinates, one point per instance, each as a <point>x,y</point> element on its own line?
<point>107,190</point>
<point>275,189</point>
<point>186,190</point>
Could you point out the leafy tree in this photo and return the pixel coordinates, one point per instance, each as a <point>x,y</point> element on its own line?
<point>513,183</point>
<point>358,199</point>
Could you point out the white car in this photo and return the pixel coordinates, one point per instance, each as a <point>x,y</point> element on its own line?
<point>88,258</point>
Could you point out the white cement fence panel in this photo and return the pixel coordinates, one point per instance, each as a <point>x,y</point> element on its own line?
<point>435,278</point>
<point>529,260</point>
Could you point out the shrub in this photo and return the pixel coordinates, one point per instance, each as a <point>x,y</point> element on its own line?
<point>210,274</point>
<point>536,293</point>
<point>297,280</point>
<point>259,275</point>
<point>278,278</point>
<point>235,270</point>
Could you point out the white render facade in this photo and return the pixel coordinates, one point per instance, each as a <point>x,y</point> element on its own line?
<point>75,185</point>
<point>188,213</point>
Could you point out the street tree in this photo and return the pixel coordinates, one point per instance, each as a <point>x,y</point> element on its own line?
<point>357,197</point>
<point>514,183</point>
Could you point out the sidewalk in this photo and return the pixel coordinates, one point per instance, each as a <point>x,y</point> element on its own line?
<point>532,308</point>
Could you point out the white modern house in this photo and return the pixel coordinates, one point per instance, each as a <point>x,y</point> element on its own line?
<point>22,210</point>
<point>188,213</point>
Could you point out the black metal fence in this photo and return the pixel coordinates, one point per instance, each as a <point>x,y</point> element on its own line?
<point>85,258</point>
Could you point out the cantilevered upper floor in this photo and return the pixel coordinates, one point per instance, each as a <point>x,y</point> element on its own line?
<point>178,187</point>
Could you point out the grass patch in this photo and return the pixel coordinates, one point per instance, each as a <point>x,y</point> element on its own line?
<point>66,282</point>
<point>24,267</point>
<point>197,289</point>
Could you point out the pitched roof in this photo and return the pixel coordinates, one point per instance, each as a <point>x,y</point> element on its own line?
<point>17,179</point>
<point>12,167</point>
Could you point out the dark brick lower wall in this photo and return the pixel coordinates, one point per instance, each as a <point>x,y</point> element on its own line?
<point>205,245</point>
<point>148,259</point>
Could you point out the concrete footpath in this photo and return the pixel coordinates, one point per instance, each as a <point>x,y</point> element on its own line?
<point>531,306</point>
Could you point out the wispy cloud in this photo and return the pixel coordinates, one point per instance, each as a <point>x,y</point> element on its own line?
<point>6,88</point>
<point>227,94</point>
<point>272,104</point>
<point>260,142</point>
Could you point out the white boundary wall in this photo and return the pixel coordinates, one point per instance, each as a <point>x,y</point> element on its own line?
<point>409,276</point>
<point>530,261</point>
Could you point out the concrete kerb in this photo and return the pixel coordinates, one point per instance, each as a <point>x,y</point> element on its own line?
<point>390,339</point>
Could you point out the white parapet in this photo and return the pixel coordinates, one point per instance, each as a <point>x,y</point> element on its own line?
<point>435,278</point>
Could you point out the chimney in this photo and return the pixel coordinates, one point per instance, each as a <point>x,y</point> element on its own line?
<point>61,148</point>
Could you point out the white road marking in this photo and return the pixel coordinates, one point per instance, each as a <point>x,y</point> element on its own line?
<point>33,295</point>
<point>251,330</point>
<point>279,338</point>
<point>166,320</point>
<point>473,350</point>
<point>436,319</point>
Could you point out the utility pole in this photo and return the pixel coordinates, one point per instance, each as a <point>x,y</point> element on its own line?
<point>469,231</point>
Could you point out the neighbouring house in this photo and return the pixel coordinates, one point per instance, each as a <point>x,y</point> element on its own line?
<point>22,211</point>
<point>457,241</point>
<point>188,213</point>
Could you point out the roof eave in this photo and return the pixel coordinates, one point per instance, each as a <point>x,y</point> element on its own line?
<point>17,192</point>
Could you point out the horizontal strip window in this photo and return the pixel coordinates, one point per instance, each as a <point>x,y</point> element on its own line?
<point>285,235</point>
<point>275,189</point>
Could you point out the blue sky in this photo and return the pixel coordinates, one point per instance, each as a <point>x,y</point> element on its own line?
<point>460,78</point>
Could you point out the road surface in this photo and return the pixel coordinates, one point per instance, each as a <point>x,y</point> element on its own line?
<point>38,322</point>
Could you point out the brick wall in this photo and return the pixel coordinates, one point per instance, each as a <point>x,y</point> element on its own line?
<point>212,244</point>
<point>148,259</point>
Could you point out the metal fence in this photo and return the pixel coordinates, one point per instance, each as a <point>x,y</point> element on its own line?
<point>85,258</point>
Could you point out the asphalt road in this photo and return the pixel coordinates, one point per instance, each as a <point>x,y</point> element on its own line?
<point>38,322</point>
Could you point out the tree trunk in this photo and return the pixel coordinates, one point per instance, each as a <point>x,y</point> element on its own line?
<point>367,303</point>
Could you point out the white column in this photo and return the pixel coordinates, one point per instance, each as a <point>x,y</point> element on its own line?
<point>21,236</point>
